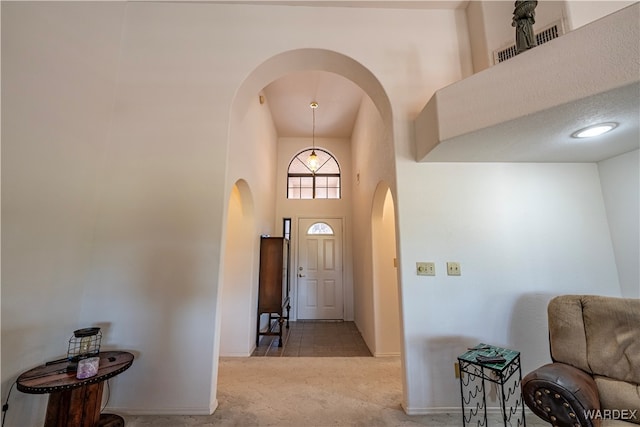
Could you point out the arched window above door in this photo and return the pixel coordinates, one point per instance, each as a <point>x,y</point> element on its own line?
<point>303,183</point>
<point>320,228</point>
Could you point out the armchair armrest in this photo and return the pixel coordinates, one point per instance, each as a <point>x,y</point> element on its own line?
<point>561,395</point>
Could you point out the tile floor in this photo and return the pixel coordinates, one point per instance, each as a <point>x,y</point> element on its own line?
<point>307,338</point>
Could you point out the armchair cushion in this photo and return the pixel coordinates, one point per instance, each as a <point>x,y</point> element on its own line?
<point>595,347</point>
<point>600,335</point>
<point>619,394</point>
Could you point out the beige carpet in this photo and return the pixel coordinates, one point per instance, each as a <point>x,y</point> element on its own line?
<point>308,392</point>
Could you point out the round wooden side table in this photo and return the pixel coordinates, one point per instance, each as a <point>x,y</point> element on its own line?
<point>74,402</point>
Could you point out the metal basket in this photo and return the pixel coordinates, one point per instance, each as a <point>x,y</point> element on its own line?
<point>83,344</point>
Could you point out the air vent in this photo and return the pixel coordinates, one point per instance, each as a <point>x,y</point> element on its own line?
<point>553,31</point>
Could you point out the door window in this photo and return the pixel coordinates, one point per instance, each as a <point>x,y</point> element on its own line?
<point>320,228</point>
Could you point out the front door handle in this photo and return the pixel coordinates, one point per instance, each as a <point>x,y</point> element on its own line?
<point>301,275</point>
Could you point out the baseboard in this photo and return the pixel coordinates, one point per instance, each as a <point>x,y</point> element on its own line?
<point>393,354</point>
<point>456,410</point>
<point>162,411</point>
<point>431,411</point>
<point>235,355</point>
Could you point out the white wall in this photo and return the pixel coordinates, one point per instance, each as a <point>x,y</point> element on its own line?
<point>480,53</point>
<point>118,134</point>
<point>252,160</point>
<point>385,274</point>
<point>581,12</point>
<point>54,132</point>
<point>521,233</point>
<point>620,181</point>
<point>373,163</point>
<point>155,268</point>
<point>238,314</point>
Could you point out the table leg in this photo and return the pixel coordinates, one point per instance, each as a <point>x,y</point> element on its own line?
<point>78,407</point>
<point>110,420</point>
<point>280,323</point>
<point>464,416</point>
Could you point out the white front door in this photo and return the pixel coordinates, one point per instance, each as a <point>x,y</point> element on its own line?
<point>319,270</point>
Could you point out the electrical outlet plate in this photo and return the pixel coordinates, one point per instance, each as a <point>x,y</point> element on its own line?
<point>453,268</point>
<point>426,268</point>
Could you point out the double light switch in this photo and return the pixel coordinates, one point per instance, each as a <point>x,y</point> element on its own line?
<point>429,268</point>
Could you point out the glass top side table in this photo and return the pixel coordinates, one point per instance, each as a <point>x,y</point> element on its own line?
<point>476,374</point>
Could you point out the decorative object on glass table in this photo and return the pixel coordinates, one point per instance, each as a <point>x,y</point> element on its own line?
<point>491,355</point>
<point>497,358</point>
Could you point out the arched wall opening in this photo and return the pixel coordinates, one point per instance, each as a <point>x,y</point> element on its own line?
<point>385,275</point>
<point>307,60</point>
<point>237,313</point>
<point>238,165</point>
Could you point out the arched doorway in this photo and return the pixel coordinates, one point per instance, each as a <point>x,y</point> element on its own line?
<point>377,108</point>
<point>385,276</point>
<point>245,105</point>
<point>308,60</point>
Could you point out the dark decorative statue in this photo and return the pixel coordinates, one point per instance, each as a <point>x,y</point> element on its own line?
<point>524,16</point>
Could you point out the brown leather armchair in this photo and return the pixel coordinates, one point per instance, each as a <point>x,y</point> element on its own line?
<point>594,379</point>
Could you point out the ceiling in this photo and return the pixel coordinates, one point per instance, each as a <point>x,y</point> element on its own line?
<point>338,103</point>
<point>338,98</point>
<point>537,135</point>
<point>540,137</point>
<point>545,136</point>
<point>384,4</point>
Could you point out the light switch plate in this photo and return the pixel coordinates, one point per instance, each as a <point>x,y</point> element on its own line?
<point>426,268</point>
<point>453,268</point>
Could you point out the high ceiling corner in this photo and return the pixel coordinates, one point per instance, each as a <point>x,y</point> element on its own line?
<point>382,4</point>
<point>525,109</point>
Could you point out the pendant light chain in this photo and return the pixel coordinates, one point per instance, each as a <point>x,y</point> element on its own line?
<point>312,161</point>
<point>313,129</point>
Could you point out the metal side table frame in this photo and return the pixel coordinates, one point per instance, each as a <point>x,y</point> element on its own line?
<point>507,376</point>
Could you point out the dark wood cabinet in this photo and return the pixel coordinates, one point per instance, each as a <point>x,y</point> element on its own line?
<point>273,293</point>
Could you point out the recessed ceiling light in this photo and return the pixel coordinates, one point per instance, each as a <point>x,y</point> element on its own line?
<point>594,130</point>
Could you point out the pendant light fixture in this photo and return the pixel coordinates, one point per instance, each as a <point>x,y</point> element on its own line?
<point>312,162</point>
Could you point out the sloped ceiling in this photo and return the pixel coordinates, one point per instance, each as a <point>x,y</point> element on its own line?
<point>338,103</point>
